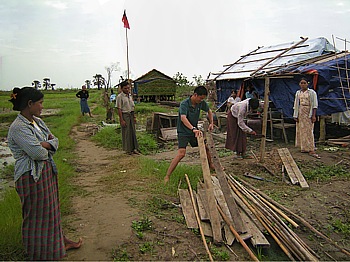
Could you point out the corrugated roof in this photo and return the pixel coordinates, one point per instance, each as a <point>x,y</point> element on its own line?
<point>274,58</point>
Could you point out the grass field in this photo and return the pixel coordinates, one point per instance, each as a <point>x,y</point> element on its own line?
<point>61,125</point>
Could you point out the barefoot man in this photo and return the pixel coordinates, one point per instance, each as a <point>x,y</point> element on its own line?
<point>187,130</point>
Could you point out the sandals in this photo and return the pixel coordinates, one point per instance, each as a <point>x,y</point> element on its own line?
<point>314,155</point>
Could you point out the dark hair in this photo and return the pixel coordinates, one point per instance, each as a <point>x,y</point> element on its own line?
<point>124,83</point>
<point>21,96</point>
<point>254,103</point>
<point>305,79</point>
<point>201,91</point>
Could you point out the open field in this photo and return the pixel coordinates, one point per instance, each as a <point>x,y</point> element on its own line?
<point>121,208</point>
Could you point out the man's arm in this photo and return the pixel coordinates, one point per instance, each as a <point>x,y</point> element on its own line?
<point>211,120</point>
<point>187,123</point>
<point>121,119</point>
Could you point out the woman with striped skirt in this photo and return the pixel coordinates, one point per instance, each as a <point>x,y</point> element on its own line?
<point>33,146</point>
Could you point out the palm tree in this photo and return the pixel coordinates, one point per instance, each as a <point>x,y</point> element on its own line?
<point>36,84</point>
<point>46,83</point>
<point>99,81</point>
<point>88,83</point>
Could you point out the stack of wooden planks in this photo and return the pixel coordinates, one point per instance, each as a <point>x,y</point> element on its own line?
<point>342,141</point>
<point>227,210</point>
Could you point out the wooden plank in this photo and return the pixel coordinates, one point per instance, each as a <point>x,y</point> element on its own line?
<point>297,172</point>
<point>220,199</point>
<point>247,211</point>
<point>292,169</point>
<point>213,211</point>
<point>229,236</point>
<point>257,237</point>
<point>187,208</point>
<point>288,166</point>
<point>202,205</point>
<point>207,229</point>
<point>168,133</point>
<point>221,176</point>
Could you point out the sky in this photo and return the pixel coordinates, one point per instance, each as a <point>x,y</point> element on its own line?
<point>70,41</point>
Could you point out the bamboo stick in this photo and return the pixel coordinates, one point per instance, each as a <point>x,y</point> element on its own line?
<point>198,220</point>
<point>238,237</point>
<point>279,55</point>
<point>259,217</point>
<point>290,239</point>
<point>303,221</point>
<point>275,226</point>
<point>294,224</point>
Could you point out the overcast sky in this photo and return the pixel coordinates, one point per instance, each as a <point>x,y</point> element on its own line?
<point>70,41</point>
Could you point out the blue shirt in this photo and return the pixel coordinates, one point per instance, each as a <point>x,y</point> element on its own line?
<point>24,142</point>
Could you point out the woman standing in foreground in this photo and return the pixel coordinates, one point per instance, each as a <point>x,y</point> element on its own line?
<point>305,106</point>
<point>33,146</point>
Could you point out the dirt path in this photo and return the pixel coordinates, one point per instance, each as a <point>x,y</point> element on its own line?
<point>102,219</point>
<point>103,216</point>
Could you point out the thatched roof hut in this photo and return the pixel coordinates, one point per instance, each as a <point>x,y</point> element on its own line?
<point>155,86</point>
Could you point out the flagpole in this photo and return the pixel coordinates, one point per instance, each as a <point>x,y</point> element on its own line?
<point>127,52</point>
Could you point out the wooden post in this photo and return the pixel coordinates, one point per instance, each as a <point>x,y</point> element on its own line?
<point>322,138</point>
<point>264,125</point>
<point>213,211</point>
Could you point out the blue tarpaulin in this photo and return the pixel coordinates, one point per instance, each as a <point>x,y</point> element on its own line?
<point>332,86</point>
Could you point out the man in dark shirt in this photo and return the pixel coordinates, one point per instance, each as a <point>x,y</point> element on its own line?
<point>187,130</point>
<point>83,94</point>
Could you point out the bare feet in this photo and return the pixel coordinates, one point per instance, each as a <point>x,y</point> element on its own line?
<point>69,244</point>
<point>166,179</point>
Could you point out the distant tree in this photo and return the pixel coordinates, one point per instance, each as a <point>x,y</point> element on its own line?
<point>88,83</point>
<point>46,83</point>
<point>110,69</point>
<point>181,80</point>
<point>36,84</point>
<point>184,86</point>
<point>99,81</point>
<point>198,80</point>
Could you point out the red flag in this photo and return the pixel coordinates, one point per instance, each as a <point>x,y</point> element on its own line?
<point>125,21</point>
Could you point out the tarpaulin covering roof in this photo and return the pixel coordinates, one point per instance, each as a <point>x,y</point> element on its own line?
<point>328,74</point>
<point>269,58</point>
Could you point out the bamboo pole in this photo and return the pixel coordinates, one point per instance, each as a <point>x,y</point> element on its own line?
<point>290,239</point>
<point>259,217</point>
<point>279,55</point>
<point>279,211</point>
<point>198,220</point>
<point>127,52</point>
<point>238,237</point>
<point>303,221</point>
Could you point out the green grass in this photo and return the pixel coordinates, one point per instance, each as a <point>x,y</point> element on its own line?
<point>110,137</point>
<point>60,125</point>
<point>326,173</point>
<point>10,227</point>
